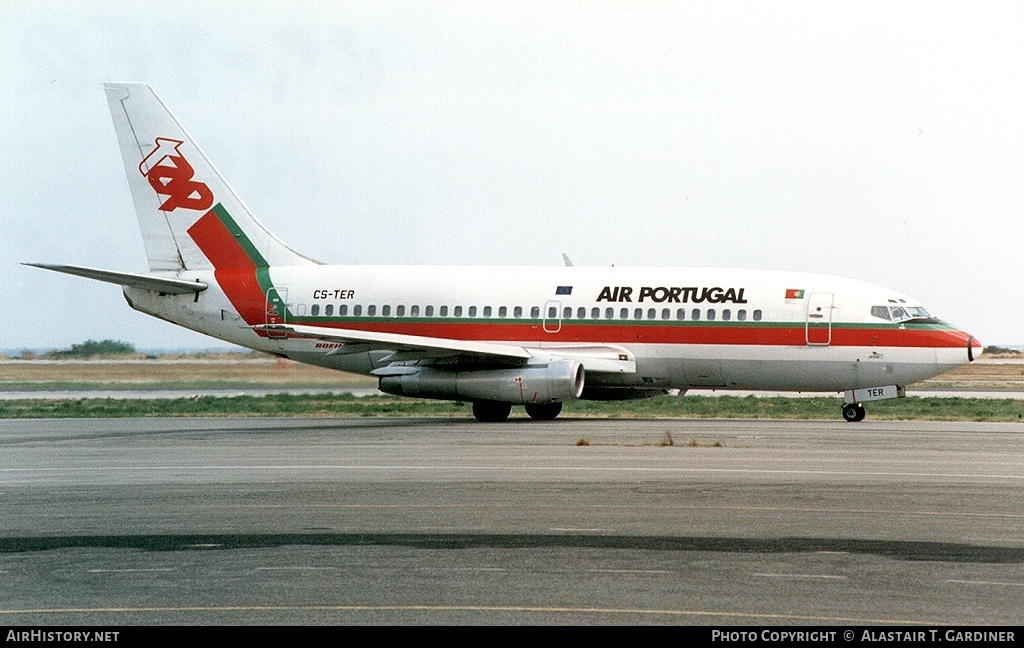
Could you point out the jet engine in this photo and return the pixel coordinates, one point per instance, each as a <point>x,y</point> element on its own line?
<point>538,384</point>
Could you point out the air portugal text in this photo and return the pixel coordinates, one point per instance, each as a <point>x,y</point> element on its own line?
<point>673,294</point>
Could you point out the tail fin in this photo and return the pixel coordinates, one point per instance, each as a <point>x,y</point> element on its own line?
<point>190,217</point>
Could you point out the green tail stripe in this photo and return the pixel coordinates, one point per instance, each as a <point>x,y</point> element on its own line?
<point>243,240</point>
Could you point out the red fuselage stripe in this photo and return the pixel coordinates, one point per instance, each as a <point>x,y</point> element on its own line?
<point>753,334</point>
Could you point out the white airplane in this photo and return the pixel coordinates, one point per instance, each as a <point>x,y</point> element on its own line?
<point>502,336</point>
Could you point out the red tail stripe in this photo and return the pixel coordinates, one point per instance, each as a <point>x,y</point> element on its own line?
<point>217,243</point>
<point>234,270</point>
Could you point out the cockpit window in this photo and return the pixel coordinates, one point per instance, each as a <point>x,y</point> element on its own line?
<point>900,313</point>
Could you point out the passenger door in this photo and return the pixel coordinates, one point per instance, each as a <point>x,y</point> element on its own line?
<point>276,310</point>
<point>818,331</point>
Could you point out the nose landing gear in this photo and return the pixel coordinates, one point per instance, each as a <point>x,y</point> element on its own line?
<point>853,412</point>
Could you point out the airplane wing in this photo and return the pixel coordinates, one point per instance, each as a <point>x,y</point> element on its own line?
<point>397,342</point>
<point>404,348</point>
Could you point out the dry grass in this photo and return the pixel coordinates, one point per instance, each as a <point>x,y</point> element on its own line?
<point>990,373</point>
<point>242,369</point>
<point>259,370</point>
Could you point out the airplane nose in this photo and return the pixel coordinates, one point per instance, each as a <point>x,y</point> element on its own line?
<point>973,348</point>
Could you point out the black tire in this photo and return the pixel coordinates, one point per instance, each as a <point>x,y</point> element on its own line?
<point>491,411</point>
<point>853,412</point>
<point>546,412</point>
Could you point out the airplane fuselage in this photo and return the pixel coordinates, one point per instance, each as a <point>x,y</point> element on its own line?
<point>687,328</point>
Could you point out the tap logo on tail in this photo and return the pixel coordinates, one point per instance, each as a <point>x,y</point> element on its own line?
<point>170,174</point>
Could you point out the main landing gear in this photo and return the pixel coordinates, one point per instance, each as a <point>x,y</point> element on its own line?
<point>546,412</point>
<point>853,412</point>
<point>491,411</point>
<point>495,412</point>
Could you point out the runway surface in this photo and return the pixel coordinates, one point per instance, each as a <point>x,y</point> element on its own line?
<point>430,521</point>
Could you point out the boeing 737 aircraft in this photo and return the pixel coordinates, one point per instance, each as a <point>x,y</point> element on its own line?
<point>502,336</point>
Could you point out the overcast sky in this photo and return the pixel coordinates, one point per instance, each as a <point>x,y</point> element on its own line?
<point>880,141</point>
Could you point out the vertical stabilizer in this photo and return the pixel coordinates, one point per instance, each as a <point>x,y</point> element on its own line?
<point>183,203</point>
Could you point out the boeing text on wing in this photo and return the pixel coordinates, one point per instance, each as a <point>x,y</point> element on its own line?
<point>496,336</point>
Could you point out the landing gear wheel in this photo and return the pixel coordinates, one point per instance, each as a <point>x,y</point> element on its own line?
<point>491,411</point>
<point>546,412</point>
<point>853,412</point>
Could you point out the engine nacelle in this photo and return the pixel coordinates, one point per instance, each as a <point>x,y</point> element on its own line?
<point>551,383</point>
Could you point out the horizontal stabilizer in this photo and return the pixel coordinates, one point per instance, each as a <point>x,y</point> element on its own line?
<point>163,285</point>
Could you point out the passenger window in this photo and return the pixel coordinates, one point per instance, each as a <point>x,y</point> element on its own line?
<point>429,311</point>
<point>502,311</point>
<point>665,313</point>
<point>757,316</point>
<point>650,313</point>
<point>681,314</point>
<point>695,314</point>
<point>400,311</point>
<point>487,311</point>
<point>581,313</point>
<point>343,310</point>
<point>329,310</point>
<point>567,312</point>
<point>371,311</point>
<point>638,313</point>
<point>711,313</point>
<point>444,311</point>
<point>314,310</point>
<point>517,312</point>
<point>385,311</point>
<point>741,314</point>
<point>552,312</point>
<point>535,312</point>
<point>472,311</point>
<point>457,312</point>
<point>357,311</point>
<point>414,311</point>
<point>609,313</point>
<point>727,314</point>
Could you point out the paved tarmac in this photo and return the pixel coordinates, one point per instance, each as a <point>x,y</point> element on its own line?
<point>448,521</point>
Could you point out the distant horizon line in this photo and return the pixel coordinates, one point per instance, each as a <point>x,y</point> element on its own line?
<point>149,350</point>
